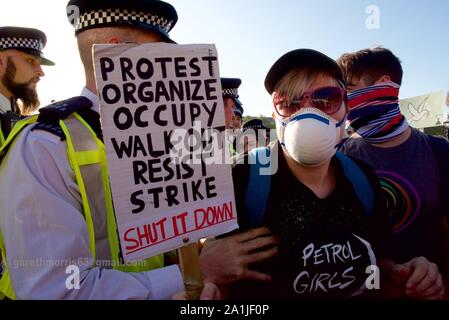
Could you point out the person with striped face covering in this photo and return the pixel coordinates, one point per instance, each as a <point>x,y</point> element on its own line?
<point>411,165</point>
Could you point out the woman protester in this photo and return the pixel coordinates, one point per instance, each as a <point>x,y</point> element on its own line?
<point>326,209</point>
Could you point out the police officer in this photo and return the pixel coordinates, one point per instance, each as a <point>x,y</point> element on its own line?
<point>55,202</point>
<point>21,61</point>
<point>255,135</point>
<point>231,100</point>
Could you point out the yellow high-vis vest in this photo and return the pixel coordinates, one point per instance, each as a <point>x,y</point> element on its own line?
<point>87,157</point>
<point>2,137</point>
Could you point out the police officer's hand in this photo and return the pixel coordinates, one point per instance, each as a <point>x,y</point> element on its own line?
<point>420,279</point>
<point>226,260</point>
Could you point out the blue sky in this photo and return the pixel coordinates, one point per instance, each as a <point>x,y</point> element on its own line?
<point>251,34</point>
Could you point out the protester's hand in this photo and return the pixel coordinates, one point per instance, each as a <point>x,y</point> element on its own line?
<point>419,278</point>
<point>210,292</point>
<point>225,260</point>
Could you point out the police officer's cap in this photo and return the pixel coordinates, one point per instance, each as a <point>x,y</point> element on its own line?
<point>28,40</point>
<point>255,124</point>
<point>152,15</point>
<point>230,87</point>
<point>300,59</point>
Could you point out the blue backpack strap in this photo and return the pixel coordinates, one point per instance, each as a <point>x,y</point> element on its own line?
<point>256,198</point>
<point>440,148</point>
<point>359,181</point>
<point>49,116</point>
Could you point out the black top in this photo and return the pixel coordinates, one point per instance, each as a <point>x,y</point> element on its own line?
<point>412,182</point>
<point>321,253</point>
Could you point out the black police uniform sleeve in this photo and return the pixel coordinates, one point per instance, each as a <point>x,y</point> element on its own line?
<point>50,116</point>
<point>380,229</point>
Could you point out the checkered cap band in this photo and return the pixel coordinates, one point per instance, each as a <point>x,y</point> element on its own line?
<point>99,17</point>
<point>26,43</point>
<point>231,92</point>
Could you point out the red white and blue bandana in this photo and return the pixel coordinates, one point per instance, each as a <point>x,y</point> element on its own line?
<point>374,112</point>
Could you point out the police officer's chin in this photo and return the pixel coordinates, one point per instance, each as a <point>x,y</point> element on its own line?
<point>30,104</point>
<point>28,96</point>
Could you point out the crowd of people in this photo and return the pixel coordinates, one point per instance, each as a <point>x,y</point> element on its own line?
<point>363,217</point>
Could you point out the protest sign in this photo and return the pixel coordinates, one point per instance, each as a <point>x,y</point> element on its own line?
<point>162,115</point>
<point>424,111</point>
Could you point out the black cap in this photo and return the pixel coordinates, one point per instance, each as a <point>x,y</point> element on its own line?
<point>230,87</point>
<point>255,124</point>
<point>28,40</point>
<point>152,15</point>
<point>299,59</point>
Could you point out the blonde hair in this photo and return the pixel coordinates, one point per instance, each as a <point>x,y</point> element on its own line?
<point>297,81</point>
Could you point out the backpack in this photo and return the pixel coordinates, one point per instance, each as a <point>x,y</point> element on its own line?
<point>257,193</point>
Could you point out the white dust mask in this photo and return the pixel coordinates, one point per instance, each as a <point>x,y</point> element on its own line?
<point>310,136</point>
